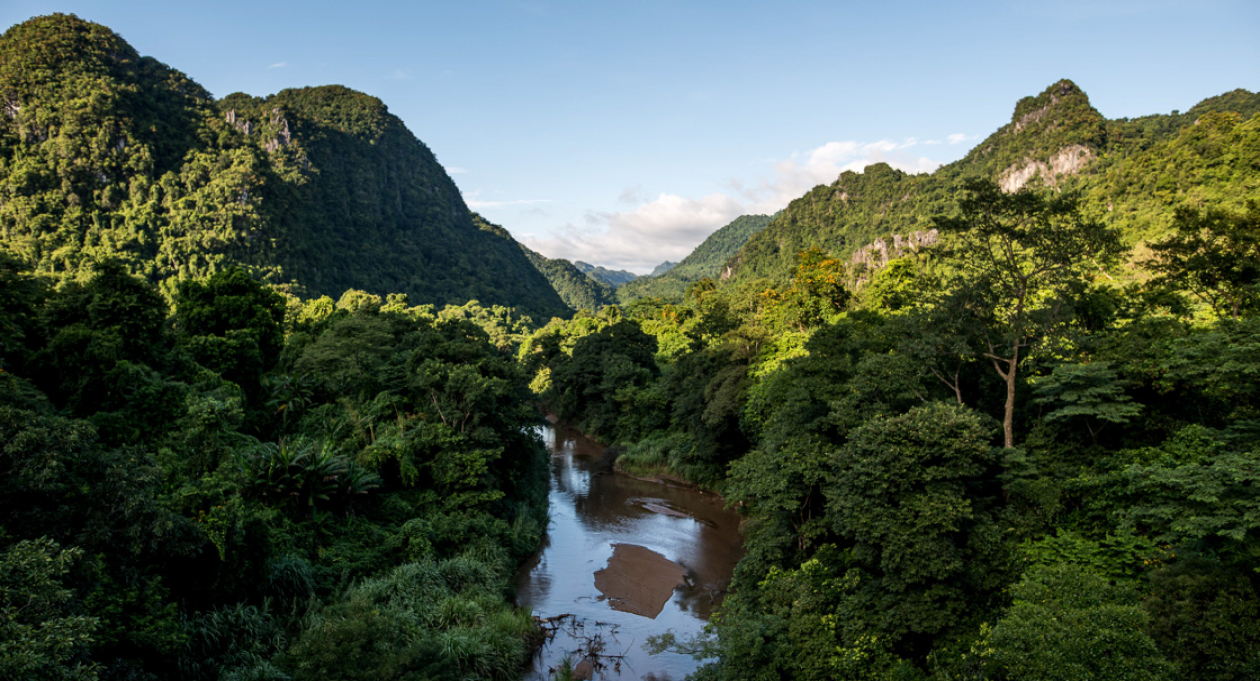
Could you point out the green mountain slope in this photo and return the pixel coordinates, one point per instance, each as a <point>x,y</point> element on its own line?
<point>707,260</point>
<point>662,268</point>
<point>578,290</point>
<point>1129,171</point>
<point>107,153</point>
<point>613,278</point>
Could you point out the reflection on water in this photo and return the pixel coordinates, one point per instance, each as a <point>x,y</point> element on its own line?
<point>592,509</point>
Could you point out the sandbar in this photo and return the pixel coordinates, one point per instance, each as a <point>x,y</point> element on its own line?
<point>638,580</point>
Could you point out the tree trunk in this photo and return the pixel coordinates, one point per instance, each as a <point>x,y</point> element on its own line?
<point>1008,419</point>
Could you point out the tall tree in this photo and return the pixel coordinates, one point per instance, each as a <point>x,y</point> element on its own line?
<point>1019,254</point>
<point>1215,254</point>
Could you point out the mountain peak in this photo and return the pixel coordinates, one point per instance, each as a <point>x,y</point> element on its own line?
<point>1063,94</point>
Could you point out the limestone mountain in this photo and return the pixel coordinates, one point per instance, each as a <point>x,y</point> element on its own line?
<point>1129,172</point>
<point>105,153</point>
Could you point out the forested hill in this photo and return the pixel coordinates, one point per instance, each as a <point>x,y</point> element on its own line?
<point>613,278</point>
<point>708,260</point>
<point>104,152</point>
<point>577,290</point>
<point>662,268</point>
<point>1131,172</point>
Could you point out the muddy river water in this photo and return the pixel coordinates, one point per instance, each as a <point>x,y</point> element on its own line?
<point>623,559</point>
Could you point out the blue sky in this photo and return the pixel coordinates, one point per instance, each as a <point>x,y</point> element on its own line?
<point>623,133</point>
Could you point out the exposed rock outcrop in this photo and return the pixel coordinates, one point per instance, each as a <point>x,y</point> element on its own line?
<point>877,254</point>
<point>1067,161</point>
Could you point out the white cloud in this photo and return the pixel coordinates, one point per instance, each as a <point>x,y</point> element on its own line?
<point>399,74</point>
<point>477,204</point>
<point>279,65</point>
<point>959,138</point>
<point>801,172</point>
<point>669,227</point>
<point>454,170</point>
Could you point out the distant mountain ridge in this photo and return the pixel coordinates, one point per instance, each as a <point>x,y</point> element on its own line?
<point>662,268</point>
<point>1128,171</point>
<point>320,187</point>
<point>707,260</point>
<point>579,291</point>
<point>613,278</point>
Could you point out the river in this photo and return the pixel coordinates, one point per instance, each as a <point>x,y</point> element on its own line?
<point>615,548</point>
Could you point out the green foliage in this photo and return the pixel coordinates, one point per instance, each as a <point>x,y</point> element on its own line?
<point>1195,607</point>
<point>1069,623</point>
<point>318,186</point>
<point>232,325</point>
<point>1119,557</point>
<point>908,496</point>
<point>40,635</point>
<point>20,300</point>
<point>1090,392</point>
<point>422,620</point>
<point>229,639</point>
<point>303,472</point>
<point>602,373</point>
<point>1209,501</point>
<point>398,434</point>
<point>1019,256</point>
<point>1215,254</point>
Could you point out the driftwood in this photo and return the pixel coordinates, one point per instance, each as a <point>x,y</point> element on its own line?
<point>592,651</point>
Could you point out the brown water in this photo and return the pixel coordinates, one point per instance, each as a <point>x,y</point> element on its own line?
<point>656,526</point>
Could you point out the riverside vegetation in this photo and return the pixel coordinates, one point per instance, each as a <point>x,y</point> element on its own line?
<point>1023,448</point>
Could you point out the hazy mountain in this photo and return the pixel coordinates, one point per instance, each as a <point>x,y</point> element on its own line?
<point>662,268</point>
<point>614,278</point>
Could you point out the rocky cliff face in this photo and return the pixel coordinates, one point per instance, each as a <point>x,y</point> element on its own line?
<point>877,254</point>
<point>871,258</point>
<point>1067,161</point>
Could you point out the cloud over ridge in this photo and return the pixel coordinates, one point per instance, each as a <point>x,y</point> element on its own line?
<point>670,226</point>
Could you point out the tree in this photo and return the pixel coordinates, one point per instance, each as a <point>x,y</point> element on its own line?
<point>40,637</point>
<point>1092,392</point>
<point>21,296</point>
<point>913,496</point>
<point>1199,493</point>
<point>232,324</point>
<point>603,368</point>
<point>1019,254</point>
<point>1215,254</point>
<point>1069,624</point>
<point>106,345</point>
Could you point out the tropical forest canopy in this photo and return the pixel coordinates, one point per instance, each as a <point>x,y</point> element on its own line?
<point>268,395</point>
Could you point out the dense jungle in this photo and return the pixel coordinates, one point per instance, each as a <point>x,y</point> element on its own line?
<point>998,421</point>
